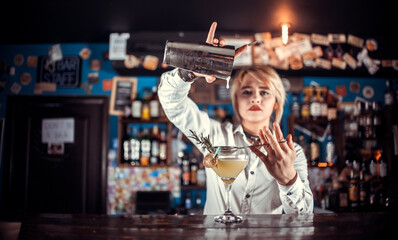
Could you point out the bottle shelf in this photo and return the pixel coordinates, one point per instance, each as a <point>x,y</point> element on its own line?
<point>192,187</point>
<point>125,165</point>
<point>126,120</point>
<point>302,120</point>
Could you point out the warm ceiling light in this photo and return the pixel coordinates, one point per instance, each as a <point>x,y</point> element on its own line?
<point>285,32</point>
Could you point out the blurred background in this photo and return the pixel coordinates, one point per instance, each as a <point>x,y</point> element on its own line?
<point>78,97</point>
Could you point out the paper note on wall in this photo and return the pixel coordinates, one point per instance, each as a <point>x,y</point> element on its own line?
<point>58,130</point>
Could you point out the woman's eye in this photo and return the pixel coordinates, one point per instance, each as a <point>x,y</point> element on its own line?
<point>246,92</point>
<point>263,93</point>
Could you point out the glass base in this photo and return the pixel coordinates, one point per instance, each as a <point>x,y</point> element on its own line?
<point>228,217</point>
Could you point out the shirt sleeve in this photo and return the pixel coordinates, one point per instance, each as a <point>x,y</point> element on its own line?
<point>297,198</point>
<point>180,109</point>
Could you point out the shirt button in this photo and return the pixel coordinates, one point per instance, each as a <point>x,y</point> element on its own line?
<point>247,195</point>
<point>251,172</point>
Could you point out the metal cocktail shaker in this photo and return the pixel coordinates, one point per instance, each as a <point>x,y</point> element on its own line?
<point>200,58</point>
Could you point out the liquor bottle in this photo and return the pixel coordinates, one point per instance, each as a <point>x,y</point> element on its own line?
<point>145,148</point>
<point>383,168</point>
<point>353,193</point>
<point>314,151</point>
<point>353,126</point>
<point>180,157</point>
<point>295,107</point>
<point>163,148</point>
<point>356,166</point>
<point>373,166</point>
<point>145,111</point>
<point>188,201</point>
<point>388,95</point>
<point>373,203</point>
<point>361,119</point>
<point>198,199</point>
<point>194,170</point>
<point>332,107</point>
<point>145,114</point>
<point>334,195</point>
<point>305,146</point>
<point>315,105</point>
<point>201,175</point>
<point>154,104</point>
<point>136,108</point>
<point>155,146</point>
<point>368,130</point>
<point>186,172</point>
<point>343,196</point>
<point>126,146</point>
<point>365,170</point>
<point>330,150</point>
<point>363,191</point>
<point>305,107</point>
<point>376,120</point>
<point>323,102</point>
<point>135,147</point>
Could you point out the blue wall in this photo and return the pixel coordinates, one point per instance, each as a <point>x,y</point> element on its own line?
<point>8,52</point>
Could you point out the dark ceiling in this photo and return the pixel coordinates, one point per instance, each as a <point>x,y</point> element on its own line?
<point>52,21</point>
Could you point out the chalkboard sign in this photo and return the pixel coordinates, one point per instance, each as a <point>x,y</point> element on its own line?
<point>123,91</point>
<point>221,92</point>
<point>64,73</point>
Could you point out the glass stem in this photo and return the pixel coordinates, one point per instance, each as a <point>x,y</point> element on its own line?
<point>228,191</point>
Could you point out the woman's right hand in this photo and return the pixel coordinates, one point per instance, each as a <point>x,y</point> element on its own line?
<point>218,43</point>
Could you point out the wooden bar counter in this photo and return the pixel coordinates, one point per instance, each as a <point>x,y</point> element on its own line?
<point>280,226</point>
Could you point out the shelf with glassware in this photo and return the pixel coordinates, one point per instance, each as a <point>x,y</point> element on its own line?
<point>363,143</point>
<point>314,115</point>
<point>144,143</point>
<point>144,133</point>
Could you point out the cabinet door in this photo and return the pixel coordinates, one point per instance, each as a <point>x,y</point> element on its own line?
<point>43,177</point>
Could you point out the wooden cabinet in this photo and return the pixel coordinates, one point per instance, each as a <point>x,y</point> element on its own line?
<point>122,125</point>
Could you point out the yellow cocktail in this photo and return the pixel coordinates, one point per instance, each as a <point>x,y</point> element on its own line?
<point>230,162</point>
<point>229,168</point>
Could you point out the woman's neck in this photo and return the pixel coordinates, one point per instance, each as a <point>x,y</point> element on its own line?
<point>253,127</point>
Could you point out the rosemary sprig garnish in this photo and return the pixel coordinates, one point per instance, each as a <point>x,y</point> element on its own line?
<point>204,141</point>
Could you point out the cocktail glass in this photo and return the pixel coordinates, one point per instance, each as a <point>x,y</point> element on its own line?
<point>231,161</point>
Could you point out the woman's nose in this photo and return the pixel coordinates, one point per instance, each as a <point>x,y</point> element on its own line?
<point>256,98</point>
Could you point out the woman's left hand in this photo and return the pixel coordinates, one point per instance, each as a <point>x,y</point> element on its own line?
<point>281,155</point>
<point>218,43</point>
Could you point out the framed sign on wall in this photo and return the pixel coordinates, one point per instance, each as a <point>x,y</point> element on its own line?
<point>65,73</point>
<point>124,89</point>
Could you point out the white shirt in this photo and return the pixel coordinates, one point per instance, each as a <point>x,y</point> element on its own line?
<point>254,191</point>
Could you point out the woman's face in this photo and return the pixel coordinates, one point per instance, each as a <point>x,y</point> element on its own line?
<point>255,101</point>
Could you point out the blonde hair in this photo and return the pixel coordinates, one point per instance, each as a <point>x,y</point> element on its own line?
<point>262,74</point>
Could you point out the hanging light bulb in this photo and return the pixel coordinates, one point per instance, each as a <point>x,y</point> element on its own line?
<point>285,33</point>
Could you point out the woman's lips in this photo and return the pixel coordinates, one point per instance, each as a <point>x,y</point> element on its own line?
<point>255,108</point>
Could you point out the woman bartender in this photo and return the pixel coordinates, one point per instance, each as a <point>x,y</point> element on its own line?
<point>276,178</point>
